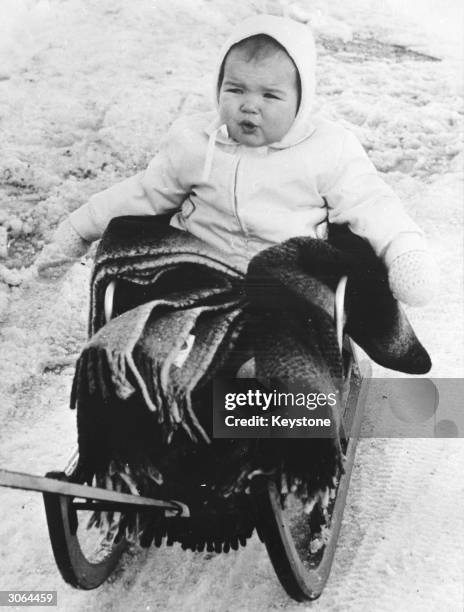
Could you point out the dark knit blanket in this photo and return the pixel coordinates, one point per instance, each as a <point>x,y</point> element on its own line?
<point>297,278</point>
<point>135,399</point>
<point>179,313</point>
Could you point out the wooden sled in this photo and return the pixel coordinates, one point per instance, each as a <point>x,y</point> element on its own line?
<point>85,558</point>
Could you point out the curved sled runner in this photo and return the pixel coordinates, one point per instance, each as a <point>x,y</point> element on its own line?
<point>79,566</point>
<point>287,531</point>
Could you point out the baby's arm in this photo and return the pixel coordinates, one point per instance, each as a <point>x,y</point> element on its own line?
<point>158,189</point>
<point>356,195</point>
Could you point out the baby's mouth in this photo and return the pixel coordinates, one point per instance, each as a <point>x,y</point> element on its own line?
<point>248,126</point>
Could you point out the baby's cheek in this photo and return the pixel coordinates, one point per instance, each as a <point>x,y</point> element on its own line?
<point>225,108</point>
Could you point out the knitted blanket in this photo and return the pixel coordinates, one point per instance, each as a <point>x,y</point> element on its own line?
<point>297,278</point>
<point>141,385</point>
<point>154,353</point>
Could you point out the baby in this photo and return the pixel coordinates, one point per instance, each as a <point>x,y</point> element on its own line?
<point>261,169</point>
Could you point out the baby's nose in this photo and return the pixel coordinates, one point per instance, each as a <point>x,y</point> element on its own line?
<point>249,105</point>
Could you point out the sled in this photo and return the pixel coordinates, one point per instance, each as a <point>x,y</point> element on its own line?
<point>86,558</point>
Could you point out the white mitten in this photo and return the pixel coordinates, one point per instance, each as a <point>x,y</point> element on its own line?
<point>58,256</point>
<point>413,277</point>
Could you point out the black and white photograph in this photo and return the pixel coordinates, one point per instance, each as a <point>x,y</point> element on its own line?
<point>232,305</point>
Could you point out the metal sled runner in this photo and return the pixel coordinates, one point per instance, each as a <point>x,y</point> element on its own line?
<point>85,557</point>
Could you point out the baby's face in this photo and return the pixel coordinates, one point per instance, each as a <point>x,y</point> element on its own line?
<point>258,99</point>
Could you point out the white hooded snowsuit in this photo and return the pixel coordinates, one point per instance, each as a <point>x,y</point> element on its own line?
<point>242,199</point>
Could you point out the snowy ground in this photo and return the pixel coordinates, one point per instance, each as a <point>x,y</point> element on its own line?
<point>86,90</point>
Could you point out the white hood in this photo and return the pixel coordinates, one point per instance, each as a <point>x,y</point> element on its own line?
<point>298,41</point>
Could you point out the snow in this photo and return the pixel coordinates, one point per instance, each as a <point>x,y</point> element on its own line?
<point>432,26</point>
<point>86,91</point>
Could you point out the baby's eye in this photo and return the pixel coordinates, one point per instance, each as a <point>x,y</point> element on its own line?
<point>271,96</point>
<point>235,90</point>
